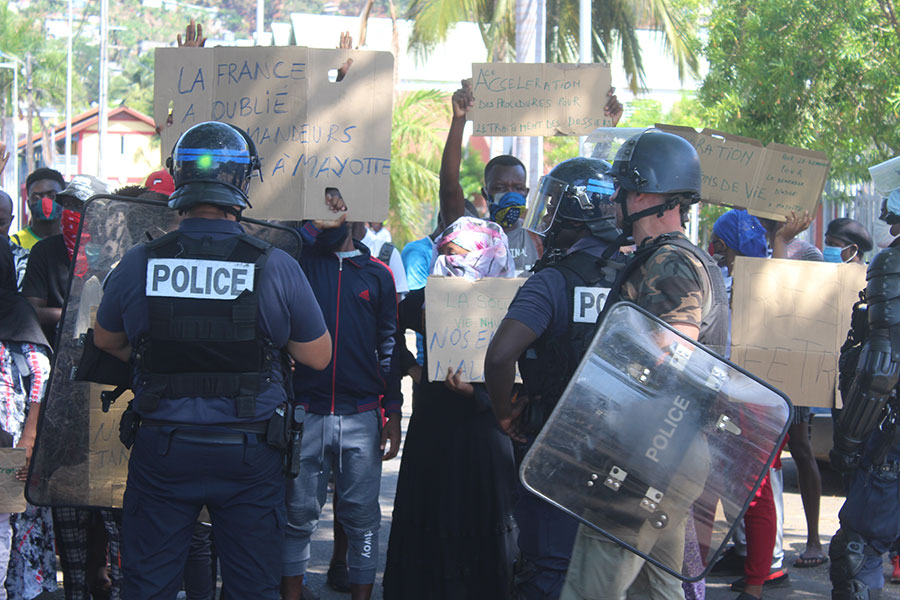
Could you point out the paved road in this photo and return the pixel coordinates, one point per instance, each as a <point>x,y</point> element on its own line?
<point>804,583</point>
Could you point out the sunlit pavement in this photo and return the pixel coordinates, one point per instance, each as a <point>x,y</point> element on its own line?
<point>804,583</point>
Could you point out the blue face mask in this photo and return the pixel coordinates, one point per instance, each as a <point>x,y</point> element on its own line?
<point>507,210</point>
<point>892,203</point>
<point>832,254</point>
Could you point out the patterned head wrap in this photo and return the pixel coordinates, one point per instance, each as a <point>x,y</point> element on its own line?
<point>487,249</point>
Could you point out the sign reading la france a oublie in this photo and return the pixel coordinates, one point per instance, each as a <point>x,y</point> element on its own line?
<point>311,131</point>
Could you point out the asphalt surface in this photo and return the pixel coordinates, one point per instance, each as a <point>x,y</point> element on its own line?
<point>804,583</point>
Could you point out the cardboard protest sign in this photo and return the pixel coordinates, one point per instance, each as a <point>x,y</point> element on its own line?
<point>769,181</point>
<point>461,318</point>
<point>539,99</point>
<point>789,319</point>
<point>12,491</point>
<point>310,132</point>
<point>107,457</point>
<point>886,175</point>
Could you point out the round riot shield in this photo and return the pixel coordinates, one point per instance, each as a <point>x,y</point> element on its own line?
<point>78,459</point>
<point>657,442</point>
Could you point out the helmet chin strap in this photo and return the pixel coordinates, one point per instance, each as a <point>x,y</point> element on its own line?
<point>659,210</point>
<point>628,221</point>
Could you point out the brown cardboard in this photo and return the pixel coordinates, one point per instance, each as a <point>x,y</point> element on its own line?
<point>12,491</point>
<point>461,318</point>
<point>539,99</point>
<point>311,133</point>
<point>789,319</point>
<point>108,458</point>
<point>770,181</point>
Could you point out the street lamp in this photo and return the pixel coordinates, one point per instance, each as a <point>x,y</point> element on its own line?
<point>14,63</point>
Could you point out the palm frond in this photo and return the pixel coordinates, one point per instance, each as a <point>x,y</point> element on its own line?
<point>415,160</point>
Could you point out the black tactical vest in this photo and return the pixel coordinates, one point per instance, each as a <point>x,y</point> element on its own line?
<point>204,338</point>
<point>714,328</point>
<point>548,365</point>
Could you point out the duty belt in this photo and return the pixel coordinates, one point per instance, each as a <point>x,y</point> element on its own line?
<point>201,433</point>
<point>886,468</point>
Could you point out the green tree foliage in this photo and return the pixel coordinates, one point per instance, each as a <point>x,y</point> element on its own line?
<point>645,112</point>
<point>820,74</point>
<point>558,149</point>
<point>415,159</point>
<point>615,25</point>
<point>133,87</point>
<point>19,36</point>
<point>471,173</point>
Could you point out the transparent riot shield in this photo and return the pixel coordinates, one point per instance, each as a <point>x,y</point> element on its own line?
<point>657,440</point>
<point>78,459</point>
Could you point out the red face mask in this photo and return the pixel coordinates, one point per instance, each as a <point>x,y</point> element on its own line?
<point>70,221</point>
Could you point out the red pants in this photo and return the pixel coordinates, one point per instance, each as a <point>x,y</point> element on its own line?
<point>760,526</point>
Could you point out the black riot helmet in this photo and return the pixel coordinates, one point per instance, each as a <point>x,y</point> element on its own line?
<point>576,192</point>
<point>657,162</point>
<point>212,163</point>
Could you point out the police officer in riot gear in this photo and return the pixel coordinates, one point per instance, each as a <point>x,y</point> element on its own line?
<point>866,436</point>
<point>547,330</point>
<point>207,317</point>
<point>657,178</point>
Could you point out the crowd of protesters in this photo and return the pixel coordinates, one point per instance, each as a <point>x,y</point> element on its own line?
<point>462,527</point>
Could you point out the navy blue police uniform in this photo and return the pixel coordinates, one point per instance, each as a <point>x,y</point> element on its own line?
<point>208,312</point>
<point>197,448</point>
<point>560,303</point>
<point>554,303</point>
<point>867,436</point>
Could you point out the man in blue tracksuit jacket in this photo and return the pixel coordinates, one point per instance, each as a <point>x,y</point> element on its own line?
<point>343,429</point>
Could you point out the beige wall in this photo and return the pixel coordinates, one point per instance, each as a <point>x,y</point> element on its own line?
<point>129,155</point>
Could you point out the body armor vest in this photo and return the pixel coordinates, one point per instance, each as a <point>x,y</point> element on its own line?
<point>548,365</point>
<point>204,338</point>
<point>716,320</point>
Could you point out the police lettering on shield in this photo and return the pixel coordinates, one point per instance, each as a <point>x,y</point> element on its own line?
<point>202,279</point>
<point>589,301</point>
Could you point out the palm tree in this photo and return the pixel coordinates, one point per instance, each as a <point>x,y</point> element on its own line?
<point>614,25</point>
<point>42,80</point>
<point>415,156</point>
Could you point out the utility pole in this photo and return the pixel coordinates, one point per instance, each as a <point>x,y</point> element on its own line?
<point>585,46</point>
<point>67,173</point>
<point>531,35</point>
<point>29,114</point>
<point>584,31</point>
<point>103,112</point>
<point>259,22</point>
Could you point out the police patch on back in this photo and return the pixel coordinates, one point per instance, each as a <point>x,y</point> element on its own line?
<point>202,279</point>
<point>589,301</point>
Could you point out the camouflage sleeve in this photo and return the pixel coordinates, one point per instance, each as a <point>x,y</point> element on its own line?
<point>673,287</point>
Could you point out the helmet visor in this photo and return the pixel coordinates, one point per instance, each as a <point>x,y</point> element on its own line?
<point>604,142</point>
<point>543,203</point>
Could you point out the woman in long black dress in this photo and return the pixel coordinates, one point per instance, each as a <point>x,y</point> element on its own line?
<point>453,535</point>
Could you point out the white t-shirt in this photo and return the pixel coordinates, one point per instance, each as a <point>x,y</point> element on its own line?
<point>374,242</point>
<point>523,250</point>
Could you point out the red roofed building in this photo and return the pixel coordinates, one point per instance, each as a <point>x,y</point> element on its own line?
<point>129,158</point>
